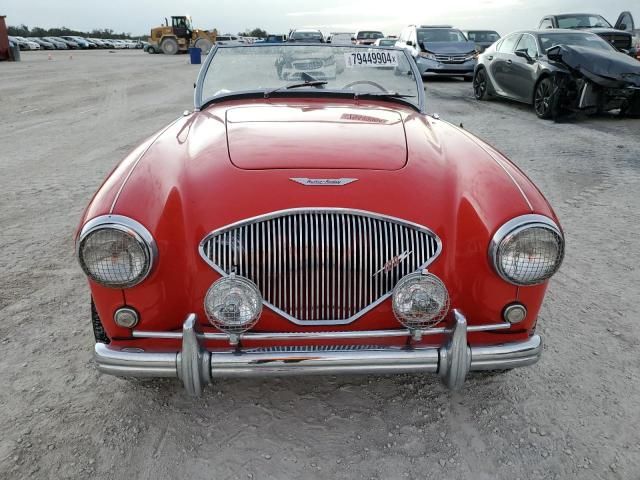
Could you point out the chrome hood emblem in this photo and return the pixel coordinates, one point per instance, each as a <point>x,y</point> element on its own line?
<point>324,182</point>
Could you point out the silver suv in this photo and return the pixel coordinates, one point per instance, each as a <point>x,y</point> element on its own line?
<point>440,50</point>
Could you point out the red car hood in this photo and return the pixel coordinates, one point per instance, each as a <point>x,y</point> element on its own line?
<point>285,137</point>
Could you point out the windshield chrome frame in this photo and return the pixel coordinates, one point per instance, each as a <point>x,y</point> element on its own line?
<point>197,95</point>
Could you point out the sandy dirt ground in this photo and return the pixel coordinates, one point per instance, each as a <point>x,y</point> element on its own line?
<point>65,123</point>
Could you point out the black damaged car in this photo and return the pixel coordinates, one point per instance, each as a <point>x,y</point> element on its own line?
<point>559,71</point>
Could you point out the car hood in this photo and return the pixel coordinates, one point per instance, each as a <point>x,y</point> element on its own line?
<point>285,137</point>
<point>449,47</point>
<point>606,68</point>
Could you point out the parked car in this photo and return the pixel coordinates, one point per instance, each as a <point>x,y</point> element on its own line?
<point>306,35</point>
<point>386,42</point>
<point>559,70</point>
<point>340,38</point>
<point>69,43</point>
<point>118,44</point>
<point>366,37</point>
<point>482,38</point>
<point>440,50</point>
<point>98,42</point>
<point>25,44</point>
<point>57,44</point>
<point>81,42</point>
<point>274,38</point>
<point>151,48</point>
<point>620,35</point>
<point>43,43</point>
<point>386,250</point>
<point>229,40</point>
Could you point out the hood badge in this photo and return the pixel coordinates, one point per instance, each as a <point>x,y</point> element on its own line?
<point>393,262</point>
<point>324,182</point>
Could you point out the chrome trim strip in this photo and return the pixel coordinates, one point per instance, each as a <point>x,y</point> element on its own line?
<point>349,230</point>
<point>512,226</point>
<point>127,225</point>
<point>257,336</point>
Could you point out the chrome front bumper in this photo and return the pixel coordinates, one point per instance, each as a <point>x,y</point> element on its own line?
<point>196,367</point>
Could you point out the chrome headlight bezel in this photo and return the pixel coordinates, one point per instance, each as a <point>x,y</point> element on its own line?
<point>514,227</point>
<point>128,226</point>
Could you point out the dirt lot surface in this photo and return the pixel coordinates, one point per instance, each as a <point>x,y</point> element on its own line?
<point>64,124</point>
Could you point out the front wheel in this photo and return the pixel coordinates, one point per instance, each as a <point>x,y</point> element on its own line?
<point>480,85</point>
<point>542,99</point>
<point>203,44</point>
<point>169,46</point>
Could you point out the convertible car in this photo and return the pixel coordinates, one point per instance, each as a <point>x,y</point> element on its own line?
<point>315,227</point>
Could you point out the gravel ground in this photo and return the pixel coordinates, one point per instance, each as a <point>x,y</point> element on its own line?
<point>64,124</point>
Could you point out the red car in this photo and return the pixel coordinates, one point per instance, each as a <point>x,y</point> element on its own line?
<point>315,227</point>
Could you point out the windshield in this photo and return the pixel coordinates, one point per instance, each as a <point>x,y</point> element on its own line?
<point>582,21</point>
<point>306,37</point>
<point>369,35</point>
<point>548,40</point>
<point>430,35</point>
<point>327,70</point>
<point>483,36</point>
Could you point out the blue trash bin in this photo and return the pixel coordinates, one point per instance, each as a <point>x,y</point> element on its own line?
<point>196,55</point>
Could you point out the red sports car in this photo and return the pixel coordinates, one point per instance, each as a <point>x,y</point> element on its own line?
<point>315,226</point>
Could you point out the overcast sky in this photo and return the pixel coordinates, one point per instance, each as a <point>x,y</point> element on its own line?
<point>278,16</point>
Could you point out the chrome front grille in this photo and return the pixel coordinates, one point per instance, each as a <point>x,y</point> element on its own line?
<point>618,40</point>
<point>451,58</point>
<point>321,266</point>
<point>308,65</point>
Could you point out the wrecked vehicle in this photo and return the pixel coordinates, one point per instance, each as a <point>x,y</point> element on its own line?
<point>559,71</point>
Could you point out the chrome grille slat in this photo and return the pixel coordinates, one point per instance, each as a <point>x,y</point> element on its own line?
<point>321,266</point>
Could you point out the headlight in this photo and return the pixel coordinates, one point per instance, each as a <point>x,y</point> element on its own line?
<point>420,300</point>
<point>233,304</point>
<point>527,250</point>
<point>427,55</point>
<point>116,251</point>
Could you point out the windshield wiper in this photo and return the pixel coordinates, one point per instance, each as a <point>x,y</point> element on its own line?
<point>308,83</point>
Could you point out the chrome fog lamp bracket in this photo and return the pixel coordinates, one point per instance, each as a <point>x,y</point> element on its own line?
<point>193,362</point>
<point>455,356</point>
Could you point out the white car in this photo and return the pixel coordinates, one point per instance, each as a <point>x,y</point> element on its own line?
<point>30,43</point>
<point>229,40</point>
<point>341,38</point>
<point>118,44</point>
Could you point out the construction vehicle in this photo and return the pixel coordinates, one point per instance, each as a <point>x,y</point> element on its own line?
<point>179,36</point>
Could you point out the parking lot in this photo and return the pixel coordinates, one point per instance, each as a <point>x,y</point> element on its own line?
<point>65,122</point>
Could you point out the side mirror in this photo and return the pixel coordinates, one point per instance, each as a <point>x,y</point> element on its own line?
<point>353,39</point>
<point>523,54</point>
<point>409,43</point>
<point>622,26</point>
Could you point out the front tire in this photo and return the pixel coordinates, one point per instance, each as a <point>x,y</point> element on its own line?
<point>542,99</point>
<point>481,85</point>
<point>169,46</point>
<point>203,44</point>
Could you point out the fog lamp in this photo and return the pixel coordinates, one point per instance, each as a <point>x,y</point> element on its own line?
<point>420,300</point>
<point>233,304</point>
<point>126,317</point>
<point>515,313</point>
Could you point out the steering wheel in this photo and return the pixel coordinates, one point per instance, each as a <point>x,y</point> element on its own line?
<point>365,82</point>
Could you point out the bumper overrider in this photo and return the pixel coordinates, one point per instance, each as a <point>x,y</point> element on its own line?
<point>195,366</point>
